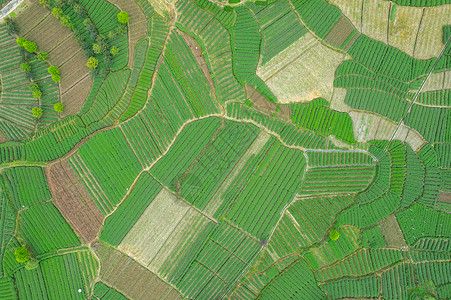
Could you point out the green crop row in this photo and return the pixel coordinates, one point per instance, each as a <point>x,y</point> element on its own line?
<point>316,116</point>
<point>360,263</point>
<point>159,30</point>
<point>318,15</point>
<point>215,41</point>
<point>419,221</point>
<point>27,186</point>
<point>338,158</point>
<point>127,214</point>
<point>297,280</point>
<point>365,287</point>
<point>279,26</point>
<point>246,41</point>
<point>45,230</point>
<point>114,170</point>
<point>261,191</point>
<point>288,133</point>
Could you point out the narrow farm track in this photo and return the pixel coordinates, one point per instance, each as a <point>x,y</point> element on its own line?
<point>416,95</point>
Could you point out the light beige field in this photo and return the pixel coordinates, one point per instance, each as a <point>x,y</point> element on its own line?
<point>153,227</point>
<point>438,81</point>
<point>161,234</point>
<point>414,30</point>
<point>375,16</point>
<point>302,72</point>
<point>352,10</point>
<point>392,233</point>
<point>403,28</point>
<point>429,43</point>
<point>374,127</point>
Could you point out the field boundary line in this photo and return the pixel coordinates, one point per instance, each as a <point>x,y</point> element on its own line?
<point>401,122</point>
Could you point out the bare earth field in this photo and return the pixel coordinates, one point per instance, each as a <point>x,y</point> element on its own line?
<point>73,201</point>
<point>130,278</point>
<point>392,232</point>
<point>414,30</point>
<point>37,24</point>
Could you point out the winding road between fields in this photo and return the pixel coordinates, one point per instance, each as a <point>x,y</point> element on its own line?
<point>9,8</point>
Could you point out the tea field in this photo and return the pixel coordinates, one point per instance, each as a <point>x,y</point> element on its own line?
<point>240,149</point>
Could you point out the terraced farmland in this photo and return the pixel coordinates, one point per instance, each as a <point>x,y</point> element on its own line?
<point>241,149</point>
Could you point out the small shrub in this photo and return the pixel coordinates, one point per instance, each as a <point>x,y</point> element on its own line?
<point>21,42</point>
<point>53,70</point>
<point>65,21</point>
<point>35,90</point>
<point>32,264</point>
<point>11,27</point>
<point>43,56</point>
<point>114,51</point>
<point>22,254</point>
<point>45,3</point>
<point>57,12</point>
<point>30,46</point>
<point>58,107</point>
<point>121,29</point>
<point>334,235</point>
<point>123,17</point>
<point>37,112</point>
<point>56,78</point>
<point>92,63</point>
<point>26,67</point>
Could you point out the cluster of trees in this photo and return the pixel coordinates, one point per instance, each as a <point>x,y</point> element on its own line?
<point>29,56</point>
<point>30,46</point>
<point>23,256</point>
<point>94,44</point>
<point>55,72</point>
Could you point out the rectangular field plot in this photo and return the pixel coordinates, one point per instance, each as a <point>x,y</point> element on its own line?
<point>73,201</point>
<point>130,278</point>
<point>218,265</point>
<point>129,212</point>
<point>267,184</point>
<point>27,186</point>
<point>154,226</point>
<point>336,180</point>
<point>45,230</point>
<point>197,164</point>
<point>66,276</point>
<point>108,176</point>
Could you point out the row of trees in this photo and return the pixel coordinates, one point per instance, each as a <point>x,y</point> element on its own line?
<point>28,57</point>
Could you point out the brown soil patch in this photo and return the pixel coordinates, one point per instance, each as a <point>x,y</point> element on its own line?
<point>37,24</point>
<point>137,25</point>
<point>71,98</point>
<point>131,278</point>
<point>30,17</point>
<point>392,232</point>
<point>196,50</point>
<point>260,102</point>
<point>73,201</point>
<point>444,197</point>
<point>340,32</point>
<point>264,105</point>
<point>3,138</point>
